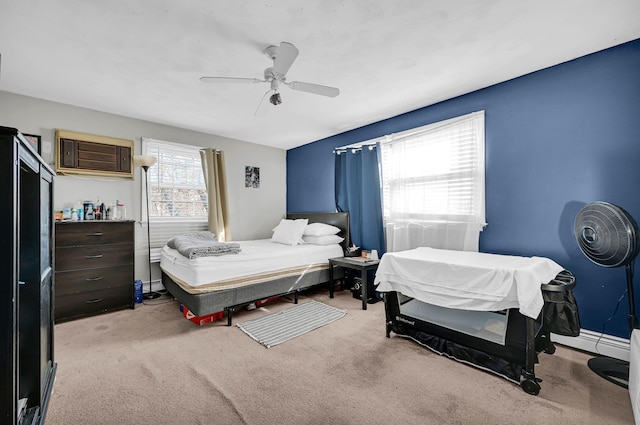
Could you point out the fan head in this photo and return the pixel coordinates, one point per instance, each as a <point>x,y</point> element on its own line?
<point>606,234</point>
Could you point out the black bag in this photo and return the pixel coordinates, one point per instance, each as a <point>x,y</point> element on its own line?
<point>560,311</point>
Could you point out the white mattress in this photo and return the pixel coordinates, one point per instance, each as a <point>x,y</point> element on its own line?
<point>258,260</point>
<point>467,280</point>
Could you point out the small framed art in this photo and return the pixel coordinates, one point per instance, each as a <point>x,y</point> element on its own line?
<point>252,177</point>
<point>35,141</point>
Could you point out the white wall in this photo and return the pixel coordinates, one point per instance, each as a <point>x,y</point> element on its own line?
<point>254,212</point>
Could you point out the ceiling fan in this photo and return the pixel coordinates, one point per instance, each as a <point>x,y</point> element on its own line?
<point>283,57</point>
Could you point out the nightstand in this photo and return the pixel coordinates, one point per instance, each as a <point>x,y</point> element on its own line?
<point>353,263</point>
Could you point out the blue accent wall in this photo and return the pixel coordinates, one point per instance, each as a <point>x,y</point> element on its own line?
<point>556,140</point>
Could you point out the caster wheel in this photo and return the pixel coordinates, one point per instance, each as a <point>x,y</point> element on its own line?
<point>530,386</point>
<point>550,349</point>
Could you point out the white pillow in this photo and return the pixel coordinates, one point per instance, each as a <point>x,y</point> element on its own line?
<point>289,232</point>
<point>322,240</point>
<point>320,229</point>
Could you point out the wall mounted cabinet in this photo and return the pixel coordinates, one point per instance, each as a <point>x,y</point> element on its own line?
<point>88,154</point>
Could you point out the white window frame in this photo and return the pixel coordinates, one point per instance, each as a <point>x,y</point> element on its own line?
<point>163,228</point>
<point>458,230</point>
<point>475,173</point>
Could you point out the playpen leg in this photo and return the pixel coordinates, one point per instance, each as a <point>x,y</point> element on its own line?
<point>530,384</point>
<point>385,299</point>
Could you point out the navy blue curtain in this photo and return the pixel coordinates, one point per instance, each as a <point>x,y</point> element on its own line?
<point>358,192</point>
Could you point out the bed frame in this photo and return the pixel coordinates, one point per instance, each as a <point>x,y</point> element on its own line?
<point>514,361</point>
<point>231,299</point>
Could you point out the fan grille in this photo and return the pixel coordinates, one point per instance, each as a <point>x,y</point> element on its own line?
<point>606,234</point>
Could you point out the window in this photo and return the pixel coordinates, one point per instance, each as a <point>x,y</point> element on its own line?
<point>177,191</point>
<point>433,178</point>
<point>176,183</point>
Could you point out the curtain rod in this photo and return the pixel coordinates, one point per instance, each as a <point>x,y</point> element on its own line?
<point>216,151</point>
<point>354,147</point>
<point>388,138</point>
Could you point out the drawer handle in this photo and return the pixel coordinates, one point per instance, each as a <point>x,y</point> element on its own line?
<point>93,279</point>
<point>97,300</point>
<point>95,234</point>
<point>93,256</point>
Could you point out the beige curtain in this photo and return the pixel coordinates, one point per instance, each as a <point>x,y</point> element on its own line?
<point>216,182</point>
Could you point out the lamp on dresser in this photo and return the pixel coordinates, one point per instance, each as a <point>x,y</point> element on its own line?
<point>145,162</point>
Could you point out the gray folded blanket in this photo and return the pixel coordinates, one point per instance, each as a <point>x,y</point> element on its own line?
<point>201,244</point>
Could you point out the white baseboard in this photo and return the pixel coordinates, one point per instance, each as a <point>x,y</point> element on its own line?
<point>157,285</point>
<point>596,343</point>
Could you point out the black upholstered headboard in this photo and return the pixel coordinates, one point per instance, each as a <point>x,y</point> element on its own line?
<point>338,219</point>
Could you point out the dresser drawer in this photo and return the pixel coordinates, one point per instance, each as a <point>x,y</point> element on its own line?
<point>72,282</point>
<point>92,256</point>
<point>93,233</point>
<point>93,302</point>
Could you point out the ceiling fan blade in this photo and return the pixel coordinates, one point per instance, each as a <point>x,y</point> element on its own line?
<point>263,105</point>
<point>314,88</point>
<point>230,80</point>
<point>287,53</point>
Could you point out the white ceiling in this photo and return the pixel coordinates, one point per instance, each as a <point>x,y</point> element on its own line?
<point>144,58</point>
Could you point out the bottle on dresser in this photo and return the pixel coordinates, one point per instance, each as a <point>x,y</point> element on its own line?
<point>88,210</point>
<point>80,211</point>
<point>120,211</point>
<point>97,212</point>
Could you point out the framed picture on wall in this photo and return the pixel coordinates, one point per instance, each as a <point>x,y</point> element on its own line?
<point>35,141</point>
<point>252,177</point>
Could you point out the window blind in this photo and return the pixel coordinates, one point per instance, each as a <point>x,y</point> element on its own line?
<point>436,172</point>
<point>177,192</point>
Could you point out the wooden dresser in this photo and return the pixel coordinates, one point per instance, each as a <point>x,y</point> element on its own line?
<point>93,268</point>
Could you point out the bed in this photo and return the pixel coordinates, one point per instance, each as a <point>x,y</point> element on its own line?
<point>480,309</point>
<point>262,270</point>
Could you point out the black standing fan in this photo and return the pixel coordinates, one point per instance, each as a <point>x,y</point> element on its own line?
<point>608,236</point>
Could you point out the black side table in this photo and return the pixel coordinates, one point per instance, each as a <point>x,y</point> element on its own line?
<point>354,263</point>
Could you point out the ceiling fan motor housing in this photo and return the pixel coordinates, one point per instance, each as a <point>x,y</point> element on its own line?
<point>607,234</point>
<point>271,52</point>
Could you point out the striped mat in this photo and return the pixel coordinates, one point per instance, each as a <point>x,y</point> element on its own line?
<point>281,326</point>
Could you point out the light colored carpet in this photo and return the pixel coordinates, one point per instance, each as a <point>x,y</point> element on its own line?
<point>152,366</point>
<point>283,325</point>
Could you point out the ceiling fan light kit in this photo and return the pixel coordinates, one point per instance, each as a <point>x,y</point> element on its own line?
<point>275,99</point>
<point>283,57</point>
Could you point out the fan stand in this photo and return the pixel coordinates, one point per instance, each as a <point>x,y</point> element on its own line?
<point>614,370</point>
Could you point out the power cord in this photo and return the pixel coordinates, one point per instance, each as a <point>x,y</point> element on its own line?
<point>161,300</point>
<point>609,319</point>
